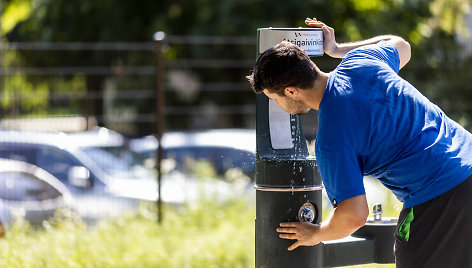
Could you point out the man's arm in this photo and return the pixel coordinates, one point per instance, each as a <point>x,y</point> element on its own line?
<point>336,50</point>
<point>349,216</point>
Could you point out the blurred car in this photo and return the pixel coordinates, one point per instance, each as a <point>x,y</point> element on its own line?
<point>29,192</point>
<point>101,184</point>
<point>102,174</point>
<point>111,150</point>
<point>224,149</point>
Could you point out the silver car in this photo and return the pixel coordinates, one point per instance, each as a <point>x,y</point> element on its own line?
<point>30,193</point>
<point>101,185</point>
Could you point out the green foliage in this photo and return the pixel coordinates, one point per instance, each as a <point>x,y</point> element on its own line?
<point>448,15</point>
<point>205,234</point>
<point>16,92</point>
<point>66,21</point>
<point>199,167</point>
<point>15,12</point>
<point>21,95</point>
<point>431,26</point>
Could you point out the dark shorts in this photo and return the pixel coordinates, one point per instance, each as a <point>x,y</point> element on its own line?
<point>437,233</point>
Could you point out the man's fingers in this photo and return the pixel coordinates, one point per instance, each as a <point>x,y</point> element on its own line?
<point>286,230</point>
<point>314,23</point>
<point>288,236</point>
<point>294,245</point>
<point>289,224</point>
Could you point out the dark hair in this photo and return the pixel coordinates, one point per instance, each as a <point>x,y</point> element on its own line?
<point>281,66</point>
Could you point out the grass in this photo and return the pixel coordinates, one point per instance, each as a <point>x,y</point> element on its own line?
<point>202,234</point>
<point>199,235</point>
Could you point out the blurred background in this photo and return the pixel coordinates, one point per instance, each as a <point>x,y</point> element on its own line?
<point>88,90</point>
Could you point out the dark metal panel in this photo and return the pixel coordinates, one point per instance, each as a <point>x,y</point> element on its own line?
<point>271,209</point>
<point>383,235</point>
<point>348,251</point>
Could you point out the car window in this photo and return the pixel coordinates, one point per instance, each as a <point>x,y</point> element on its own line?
<point>55,161</point>
<point>238,159</point>
<point>20,186</point>
<point>124,154</point>
<point>18,152</point>
<point>117,167</point>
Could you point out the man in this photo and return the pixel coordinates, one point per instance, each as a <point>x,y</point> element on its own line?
<point>374,123</point>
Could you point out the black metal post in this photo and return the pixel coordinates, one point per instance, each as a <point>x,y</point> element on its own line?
<point>160,118</point>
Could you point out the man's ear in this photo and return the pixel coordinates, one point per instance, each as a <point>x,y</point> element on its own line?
<point>291,92</point>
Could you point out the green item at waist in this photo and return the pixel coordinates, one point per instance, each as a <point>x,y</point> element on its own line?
<point>404,229</point>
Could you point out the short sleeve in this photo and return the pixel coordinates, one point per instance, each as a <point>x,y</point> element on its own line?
<point>384,51</point>
<point>340,172</point>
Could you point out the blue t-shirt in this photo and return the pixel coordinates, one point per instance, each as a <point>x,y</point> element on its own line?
<point>374,123</point>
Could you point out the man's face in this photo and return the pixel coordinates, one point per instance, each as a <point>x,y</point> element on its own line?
<point>290,105</point>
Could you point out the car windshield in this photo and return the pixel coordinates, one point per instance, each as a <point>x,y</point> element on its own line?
<point>119,162</point>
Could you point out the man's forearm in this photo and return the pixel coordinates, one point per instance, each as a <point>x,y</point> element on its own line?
<point>342,49</point>
<point>403,47</point>
<point>335,50</point>
<point>345,219</point>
